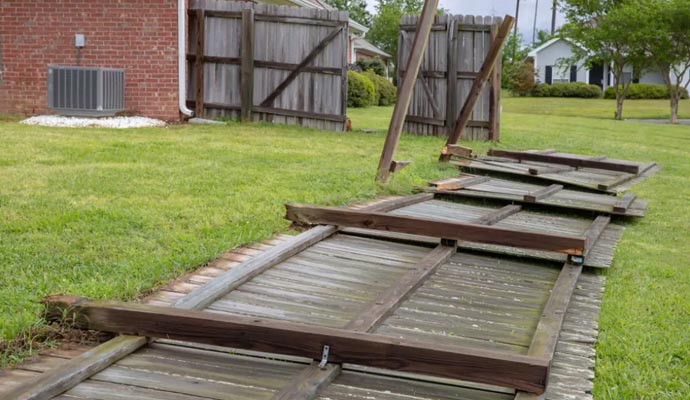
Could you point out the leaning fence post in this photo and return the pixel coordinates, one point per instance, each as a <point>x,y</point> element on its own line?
<point>421,39</point>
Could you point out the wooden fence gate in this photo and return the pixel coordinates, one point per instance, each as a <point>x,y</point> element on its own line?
<point>268,63</point>
<point>457,48</point>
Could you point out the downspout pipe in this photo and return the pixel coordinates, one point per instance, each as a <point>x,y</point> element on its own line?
<point>182,57</point>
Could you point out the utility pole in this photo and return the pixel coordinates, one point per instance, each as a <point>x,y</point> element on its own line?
<point>553,17</point>
<point>515,42</point>
<point>534,27</point>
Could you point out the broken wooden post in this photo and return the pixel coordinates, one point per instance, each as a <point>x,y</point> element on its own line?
<point>421,40</point>
<point>482,76</point>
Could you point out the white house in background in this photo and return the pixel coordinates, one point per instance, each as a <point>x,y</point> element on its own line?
<point>549,60</point>
<point>357,30</point>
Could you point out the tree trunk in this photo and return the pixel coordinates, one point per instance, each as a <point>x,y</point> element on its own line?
<point>619,107</point>
<point>674,107</point>
<point>620,89</point>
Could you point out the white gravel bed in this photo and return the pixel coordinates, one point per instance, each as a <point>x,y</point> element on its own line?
<point>112,122</point>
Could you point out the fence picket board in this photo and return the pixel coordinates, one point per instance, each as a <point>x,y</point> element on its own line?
<point>449,80</point>
<point>283,37</point>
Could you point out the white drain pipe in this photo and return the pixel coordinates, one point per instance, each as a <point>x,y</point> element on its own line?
<point>182,57</point>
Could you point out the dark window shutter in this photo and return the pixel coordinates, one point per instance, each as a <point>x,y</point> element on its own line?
<point>573,73</point>
<point>548,74</point>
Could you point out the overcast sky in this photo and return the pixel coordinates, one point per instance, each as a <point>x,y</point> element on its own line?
<point>503,7</point>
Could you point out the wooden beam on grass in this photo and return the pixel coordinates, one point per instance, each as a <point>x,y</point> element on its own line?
<point>619,166</point>
<point>541,194</point>
<point>482,77</point>
<point>398,165</point>
<point>414,62</point>
<point>279,337</point>
<point>548,330</point>
<point>594,232</point>
<point>498,215</point>
<point>624,203</point>
<point>458,183</point>
<point>435,228</point>
<point>457,150</point>
<point>384,305</point>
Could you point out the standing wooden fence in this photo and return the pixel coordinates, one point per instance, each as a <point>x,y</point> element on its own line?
<point>457,48</point>
<point>268,63</point>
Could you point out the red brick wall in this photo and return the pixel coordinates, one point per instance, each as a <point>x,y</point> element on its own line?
<point>137,35</point>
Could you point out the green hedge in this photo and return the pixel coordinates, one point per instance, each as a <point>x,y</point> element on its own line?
<point>360,90</point>
<point>386,93</point>
<point>644,91</point>
<point>572,89</point>
<point>372,64</point>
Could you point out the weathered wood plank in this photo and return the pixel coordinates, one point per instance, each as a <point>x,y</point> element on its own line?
<point>386,303</point>
<point>309,382</point>
<point>244,272</point>
<point>553,169</point>
<point>498,215</point>
<point>481,78</point>
<point>458,183</point>
<point>426,21</point>
<point>398,165</point>
<point>520,372</point>
<point>56,381</point>
<point>548,330</point>
<point>627,167</point>
<point>247,73</point>
<point>594,232</point>
<point>199,62</point>
<point>306,61</point>
<point>541,194</point>
<point>435,228</point>
<point>624,203</point>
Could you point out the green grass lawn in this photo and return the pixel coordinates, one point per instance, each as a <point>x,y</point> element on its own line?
<point>111,213</point>
<point>593,108</point>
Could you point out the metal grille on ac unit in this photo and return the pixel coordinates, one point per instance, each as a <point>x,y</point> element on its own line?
<point>86,91</point>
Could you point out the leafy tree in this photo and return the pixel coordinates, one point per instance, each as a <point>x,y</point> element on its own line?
<point>542,37</point>
<point>603,29</point>
<point>385,24</point>
<point>356,8</point>
<point>663,29</point>
<point>512,57</point>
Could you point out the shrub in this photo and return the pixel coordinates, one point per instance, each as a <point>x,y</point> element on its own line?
<point>522,79</point>
<point>644,91</point>
<point>360,90</point>
<point>571,89</point>
<point>372,64</point>
<point>386,93</point>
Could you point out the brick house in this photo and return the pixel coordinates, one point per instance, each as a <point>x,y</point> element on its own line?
<point>142,37</point>
<point>139,36</point>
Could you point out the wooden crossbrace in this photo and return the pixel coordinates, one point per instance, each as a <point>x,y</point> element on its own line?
<point>54,382</point>
<point>435,228</point>
<point>522,372</point>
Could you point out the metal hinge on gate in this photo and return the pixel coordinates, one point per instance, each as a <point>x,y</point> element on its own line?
<point>324,357</point>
